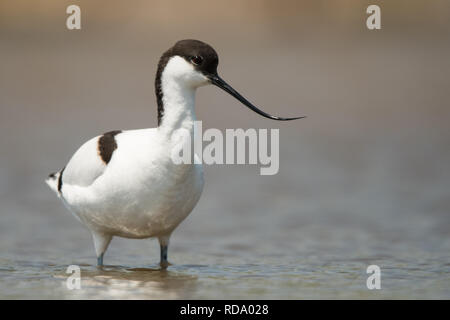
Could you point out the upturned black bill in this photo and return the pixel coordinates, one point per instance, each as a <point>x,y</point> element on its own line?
<point>219,82</point>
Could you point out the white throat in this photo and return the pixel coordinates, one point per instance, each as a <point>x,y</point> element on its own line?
<point>179,80</point>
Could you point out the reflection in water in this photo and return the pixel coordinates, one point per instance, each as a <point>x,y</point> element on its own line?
<point>119,282</point>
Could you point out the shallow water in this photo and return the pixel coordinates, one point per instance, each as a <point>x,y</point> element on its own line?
<point>253,244</point>
<point>364,180</point>
<point>228,277</point>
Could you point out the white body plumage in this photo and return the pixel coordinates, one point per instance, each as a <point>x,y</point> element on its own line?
<point>140,192</point>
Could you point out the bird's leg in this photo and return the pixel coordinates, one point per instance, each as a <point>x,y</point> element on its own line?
<point>101,242</point>
<point>164,263</point>
<point>164,245</point>
<point>100,260</point>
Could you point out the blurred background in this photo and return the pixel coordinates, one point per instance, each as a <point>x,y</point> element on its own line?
<point>364,179</point>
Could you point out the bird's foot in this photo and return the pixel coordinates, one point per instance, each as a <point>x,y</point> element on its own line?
<point>164,264</point>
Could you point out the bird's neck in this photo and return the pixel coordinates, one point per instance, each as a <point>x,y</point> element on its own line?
<point>176,106</point>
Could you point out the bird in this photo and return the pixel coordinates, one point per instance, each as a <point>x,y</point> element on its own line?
<point>124,183</point>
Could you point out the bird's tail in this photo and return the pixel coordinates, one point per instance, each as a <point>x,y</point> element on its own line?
<point>53,181</point>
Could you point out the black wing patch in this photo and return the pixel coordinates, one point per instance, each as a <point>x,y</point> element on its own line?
<point>107,144</point>
<point>60,182</point>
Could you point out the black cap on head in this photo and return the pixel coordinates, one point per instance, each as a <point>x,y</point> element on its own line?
<point>201,55</point>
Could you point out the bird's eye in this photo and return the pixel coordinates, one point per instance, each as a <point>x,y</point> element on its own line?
<point>197,60</point>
